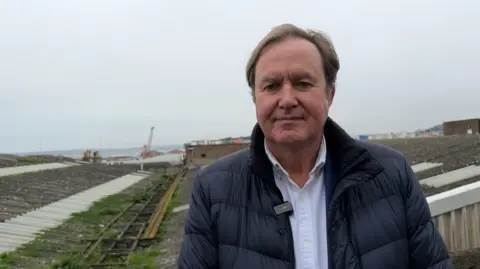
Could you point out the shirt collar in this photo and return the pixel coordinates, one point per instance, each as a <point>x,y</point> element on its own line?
<point>319,163</point>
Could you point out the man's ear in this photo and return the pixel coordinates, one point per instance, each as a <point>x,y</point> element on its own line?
<point>331,95</point>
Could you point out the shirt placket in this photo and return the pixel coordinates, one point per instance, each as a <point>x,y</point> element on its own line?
<point>305,229</point>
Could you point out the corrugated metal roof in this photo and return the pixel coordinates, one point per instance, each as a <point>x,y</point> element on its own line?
<point>8,171</point>
<point>22,229</point>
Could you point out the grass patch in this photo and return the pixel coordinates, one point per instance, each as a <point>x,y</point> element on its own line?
<point>67,263</point>
<point>29,160</point>
<point>7,260</point>
<point>60,247</point>
<point>145,257</point>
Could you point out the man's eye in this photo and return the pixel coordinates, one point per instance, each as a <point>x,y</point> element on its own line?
<point>304,85</point>
<point>269,87</point>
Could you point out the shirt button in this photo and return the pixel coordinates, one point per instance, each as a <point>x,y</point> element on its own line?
<point>301,198</point>
<point>305,244</point>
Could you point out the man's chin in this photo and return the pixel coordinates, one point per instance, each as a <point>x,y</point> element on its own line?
<point>293,138</point>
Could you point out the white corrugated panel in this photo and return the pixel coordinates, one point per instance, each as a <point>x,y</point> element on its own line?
<point>181,208</point>
<point>71,163</point>
<point>8,171</point>
<point>454,199</point>
<point>452,176</point>
<point>170,157</point>
<point>420,167</point>
<point>22,229</point>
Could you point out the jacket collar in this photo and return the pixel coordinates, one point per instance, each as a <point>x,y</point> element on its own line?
<point>347,155</point>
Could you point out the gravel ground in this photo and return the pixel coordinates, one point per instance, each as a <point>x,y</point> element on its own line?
<point>25,192</point>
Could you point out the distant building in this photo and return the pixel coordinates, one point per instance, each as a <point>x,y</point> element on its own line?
<point>470,126</point>
<point>363,137</point>
<point>206,154</point>
<point>239,140</point>
<point>176,151</point>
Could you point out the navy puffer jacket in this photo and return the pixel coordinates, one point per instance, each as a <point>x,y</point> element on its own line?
<point>378,217</point>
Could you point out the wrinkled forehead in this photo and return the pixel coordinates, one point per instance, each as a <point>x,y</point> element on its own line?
<point>291,73</point>
<point>291,58</point>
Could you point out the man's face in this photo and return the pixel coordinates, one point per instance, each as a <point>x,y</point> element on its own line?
<point>290,92</point>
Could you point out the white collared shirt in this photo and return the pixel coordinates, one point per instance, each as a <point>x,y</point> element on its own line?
<point>308,221</point>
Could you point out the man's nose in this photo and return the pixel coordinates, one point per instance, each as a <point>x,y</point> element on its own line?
<point>288,96</point>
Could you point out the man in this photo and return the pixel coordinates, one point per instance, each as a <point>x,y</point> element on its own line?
<point>305,194</point>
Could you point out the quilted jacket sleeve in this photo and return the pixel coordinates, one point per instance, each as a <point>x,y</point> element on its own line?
<point>427,249</point>
<point>198,248</point>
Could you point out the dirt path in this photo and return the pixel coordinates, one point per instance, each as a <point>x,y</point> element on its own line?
<point>173,237</point>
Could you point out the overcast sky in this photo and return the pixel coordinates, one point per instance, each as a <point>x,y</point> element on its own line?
<point>74,73</point>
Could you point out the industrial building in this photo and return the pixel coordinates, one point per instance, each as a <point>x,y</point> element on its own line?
<point>459,127</point>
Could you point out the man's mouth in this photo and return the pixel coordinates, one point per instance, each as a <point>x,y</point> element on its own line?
<point>289,118</point>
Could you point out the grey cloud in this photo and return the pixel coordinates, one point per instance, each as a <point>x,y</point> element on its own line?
<point>71,72</point>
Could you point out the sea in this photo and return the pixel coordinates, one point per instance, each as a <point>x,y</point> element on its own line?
<point>114,152</point>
